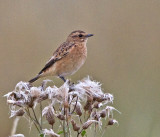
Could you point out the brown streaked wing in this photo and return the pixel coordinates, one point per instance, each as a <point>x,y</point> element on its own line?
<point>61,52</point>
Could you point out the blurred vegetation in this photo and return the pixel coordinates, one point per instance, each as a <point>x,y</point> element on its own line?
<point>123,54</point>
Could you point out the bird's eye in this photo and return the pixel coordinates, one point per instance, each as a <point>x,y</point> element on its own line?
<point>80,35</point>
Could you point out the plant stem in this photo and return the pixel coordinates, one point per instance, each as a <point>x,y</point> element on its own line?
<point>33,120</point>
<point>64,129</point>
<point>36,119</point>
<point>104,130</point>
<point>78,133</point>
<point>75,106</point>
<point>41,113</point>
<point>64,125</point>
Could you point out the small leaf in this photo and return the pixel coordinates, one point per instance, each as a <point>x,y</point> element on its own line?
<point>83,133</point>
<point>41,135</point>
<point>60,132</point>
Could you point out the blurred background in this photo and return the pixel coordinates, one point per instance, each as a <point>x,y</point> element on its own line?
<point>124,54</point>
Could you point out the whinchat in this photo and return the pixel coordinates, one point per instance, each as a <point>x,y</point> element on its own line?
<point>68,58</point>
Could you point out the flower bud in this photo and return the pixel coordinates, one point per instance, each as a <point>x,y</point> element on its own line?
<point>61,117</point>
<point>30,102</point>
<point>97,105</point>
<point>19,112</point>
<point>49,114</point>
<point>98,98</point>
<point>88,123</point>
<point>112,121</point>
<point>103,113</point>
<point>75,127</point>
<point>78,109</point>
<point>50,118</point>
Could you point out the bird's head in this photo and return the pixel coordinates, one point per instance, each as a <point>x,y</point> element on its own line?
<point>78,36</point>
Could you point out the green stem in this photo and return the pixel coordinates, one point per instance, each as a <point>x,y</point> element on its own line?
<point>79,132</point>
<point>65,126</point>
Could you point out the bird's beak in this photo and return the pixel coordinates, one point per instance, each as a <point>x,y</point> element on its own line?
<point>89,35</point>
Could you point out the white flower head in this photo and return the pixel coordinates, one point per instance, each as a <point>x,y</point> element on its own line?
<point>89,87</point>
<point>50,133</point>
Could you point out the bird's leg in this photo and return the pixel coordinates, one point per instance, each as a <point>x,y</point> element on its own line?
<point>71,85</point>
<point>61,77</point>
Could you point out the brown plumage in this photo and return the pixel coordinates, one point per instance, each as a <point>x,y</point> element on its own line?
<point>68,58</point>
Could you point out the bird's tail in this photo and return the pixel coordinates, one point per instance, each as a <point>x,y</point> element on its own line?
<point>34,79</point>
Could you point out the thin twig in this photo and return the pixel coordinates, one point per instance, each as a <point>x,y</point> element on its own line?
<point>64,129</point>
<point>104,130</point>
<point>67,122</point>
<point>36,118</point>
<point>80,120</point>
<point>78,133</point>
<point>64,125</point>
<point>33,120</point>
<point>75,106</point>
<point>41,113</point>
<point>95,131</point>
<point>71,100</point>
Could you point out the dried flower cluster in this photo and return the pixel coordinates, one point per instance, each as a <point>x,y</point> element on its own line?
<point>79,105</point>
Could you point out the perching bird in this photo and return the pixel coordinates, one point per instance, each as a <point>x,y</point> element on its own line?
<point>68,58</point>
